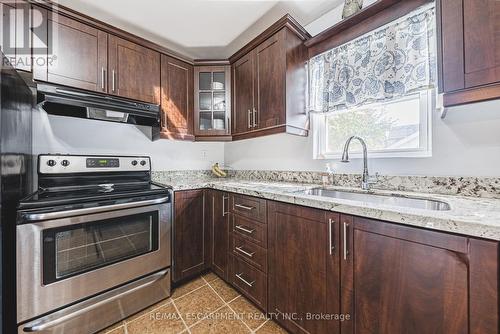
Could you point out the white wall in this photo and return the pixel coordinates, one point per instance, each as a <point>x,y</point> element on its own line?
<point>466,143</point>
<point>56,134</point>
<point>330,18</point>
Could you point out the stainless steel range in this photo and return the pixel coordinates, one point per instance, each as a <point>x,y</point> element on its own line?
<point>93,244</point>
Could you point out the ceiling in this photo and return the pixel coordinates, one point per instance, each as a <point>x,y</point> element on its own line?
<point>199,29</point>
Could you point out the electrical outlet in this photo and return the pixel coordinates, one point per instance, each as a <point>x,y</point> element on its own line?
<point>204,155</point>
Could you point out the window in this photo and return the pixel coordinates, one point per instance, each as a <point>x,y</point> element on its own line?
<point>397,128</point>
<point>379,87</point>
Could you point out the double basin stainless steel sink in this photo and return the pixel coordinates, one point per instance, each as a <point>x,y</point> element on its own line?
<point>392,200</point>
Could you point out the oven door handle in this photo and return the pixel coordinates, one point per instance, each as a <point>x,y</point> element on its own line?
<point>52,321</point>
<point>77,212</point>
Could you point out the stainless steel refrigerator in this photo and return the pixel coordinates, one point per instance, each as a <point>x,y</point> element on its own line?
<point>16,107</point>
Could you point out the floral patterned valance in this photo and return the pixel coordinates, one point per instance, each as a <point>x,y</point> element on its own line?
<point>393,61</point>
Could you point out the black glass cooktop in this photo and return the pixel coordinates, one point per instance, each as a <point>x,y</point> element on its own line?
<point>91,193</point>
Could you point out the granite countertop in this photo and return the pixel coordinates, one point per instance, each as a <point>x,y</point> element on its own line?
<point>477,217</point>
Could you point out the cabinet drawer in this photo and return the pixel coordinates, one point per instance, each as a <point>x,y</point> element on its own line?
<point>249,252</point>
<point>250,230</point>
<point>250,281</point>
<point>249,207</point>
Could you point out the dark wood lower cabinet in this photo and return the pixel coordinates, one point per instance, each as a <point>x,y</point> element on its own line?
<point>317,271</point>
<point>379,278</point>
<point>303,267</point>
<point>249,281</point>
<point>399,279</point>
<point>191,250</point>
<point>248,248</point>
<point>219,225</point>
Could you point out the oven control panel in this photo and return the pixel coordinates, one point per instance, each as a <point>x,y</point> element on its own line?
<point>66,164</point>
<point>103,163</point>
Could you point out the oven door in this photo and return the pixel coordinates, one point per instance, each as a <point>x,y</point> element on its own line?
<point>65,260</point>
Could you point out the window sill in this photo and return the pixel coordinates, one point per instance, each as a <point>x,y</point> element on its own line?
<point>376,155</point>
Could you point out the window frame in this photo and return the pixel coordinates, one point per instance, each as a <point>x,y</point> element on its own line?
<point>427,105</point>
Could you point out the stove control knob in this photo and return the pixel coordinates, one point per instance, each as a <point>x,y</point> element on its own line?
<point>51,163</point>
<point>65,163</point>
<point>134,162</point>
<point>143,162</point>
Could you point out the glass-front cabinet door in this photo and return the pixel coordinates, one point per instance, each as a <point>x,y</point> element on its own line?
<point>212,96</point>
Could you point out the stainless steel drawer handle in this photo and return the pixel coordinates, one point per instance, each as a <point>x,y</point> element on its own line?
<point>103,78</point>
<point>241,250</point>
<point>113,81</point>
<point>346,251</point>
<point>70,213</point>
<point>241,206</point>
<point>249,119</point>
<point>241,228</point>
<point>331,245</point>
<point>239,276</point>
<point>224,198</point>
<point>60,317</point>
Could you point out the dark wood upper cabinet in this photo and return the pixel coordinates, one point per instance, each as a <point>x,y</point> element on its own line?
<point>79,56</point>
<point>399,279</point>
<point>304,267</point>
<point>219,225</point>
<point>270,82</point>
<point>134,71</point>
<point>243,93</point>
<point>176,99</point>
<point>87,58</point>
<point>482,42</point>
<point>191,244</point>
<point>270,70</point>
<point>470,50</point>
<point>212,102</point>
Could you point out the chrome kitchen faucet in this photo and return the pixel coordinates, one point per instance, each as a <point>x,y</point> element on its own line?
<point>366,179</point>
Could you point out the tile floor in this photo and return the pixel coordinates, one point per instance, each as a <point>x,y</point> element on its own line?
<point>202,306</point>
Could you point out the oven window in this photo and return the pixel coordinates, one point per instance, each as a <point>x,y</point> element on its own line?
<point>80,248</point>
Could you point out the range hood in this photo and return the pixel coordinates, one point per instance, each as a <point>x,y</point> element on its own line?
<point>63,101</point>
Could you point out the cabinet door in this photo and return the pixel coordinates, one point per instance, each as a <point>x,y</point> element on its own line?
<point>79,57</point>
<point>191,249</point>
<point>134,71</point>
<point>243,98</point>
<point>398,279</point>
<point>270,65</point>
<point>303,267</point>
<point>177,98</point>
<point>212,102</point>
<point>482,42</point>
<point>220,232</point>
